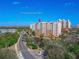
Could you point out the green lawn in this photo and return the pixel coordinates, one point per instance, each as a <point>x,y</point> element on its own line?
<point>8,39</point>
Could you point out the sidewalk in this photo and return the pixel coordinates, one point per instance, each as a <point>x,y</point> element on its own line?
<point>19,54</point>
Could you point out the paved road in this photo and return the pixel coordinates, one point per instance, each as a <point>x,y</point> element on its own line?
<point>23,48</point>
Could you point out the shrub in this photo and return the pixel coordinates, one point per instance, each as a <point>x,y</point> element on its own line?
<point>34,46</point>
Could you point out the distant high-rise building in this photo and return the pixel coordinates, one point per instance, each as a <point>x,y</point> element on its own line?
<point>77,25</point>
<point>66,24</point>
<point>57,28</point>
<point>51,28</point>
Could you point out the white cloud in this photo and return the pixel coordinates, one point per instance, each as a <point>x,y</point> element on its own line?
<point>26,7</point>
<point>16,3</point>
<point>31,13</point>
<point>69,4</point>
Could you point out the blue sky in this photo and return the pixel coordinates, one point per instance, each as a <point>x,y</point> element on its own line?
<point>26,12</point>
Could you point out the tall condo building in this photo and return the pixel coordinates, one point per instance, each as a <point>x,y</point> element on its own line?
<point>57,28</point>
<point>77,26</point>
<point>50,28</point>
<point>66,24</point>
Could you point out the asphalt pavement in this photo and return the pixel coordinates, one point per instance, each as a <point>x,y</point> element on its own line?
<point>23,49</point>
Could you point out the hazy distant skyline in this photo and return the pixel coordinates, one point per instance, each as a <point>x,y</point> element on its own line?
<point>26,12</point>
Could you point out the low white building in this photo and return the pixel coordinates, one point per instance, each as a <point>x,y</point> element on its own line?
<point>8,30</point>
